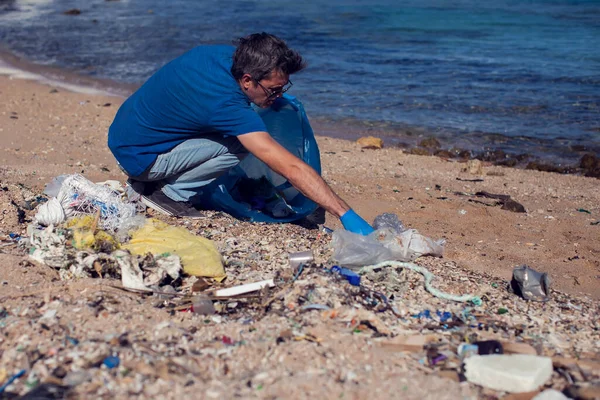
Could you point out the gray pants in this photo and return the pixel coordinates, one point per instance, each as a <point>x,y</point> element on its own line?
<point>193,164</point>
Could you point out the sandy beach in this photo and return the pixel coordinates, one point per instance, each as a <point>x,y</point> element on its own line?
<point>47,131</point>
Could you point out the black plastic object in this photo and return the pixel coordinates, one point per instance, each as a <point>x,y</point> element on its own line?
<point>530,284</point>
<point>487,347</point>
<point>46,391</point>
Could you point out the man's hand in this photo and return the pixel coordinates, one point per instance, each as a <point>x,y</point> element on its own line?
<point>354,223</point>
<point>301,175</point>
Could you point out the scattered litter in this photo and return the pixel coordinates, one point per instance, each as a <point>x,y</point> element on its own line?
<point>510,373</point>
<point>583,210</point>
<point>201,329</point>
<point>530,284</point>
<point>428,278</point>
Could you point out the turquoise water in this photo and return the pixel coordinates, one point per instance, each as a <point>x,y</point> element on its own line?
<point>523,76</point>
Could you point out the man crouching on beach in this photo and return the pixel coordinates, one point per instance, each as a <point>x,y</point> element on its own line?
<point>192,121</point>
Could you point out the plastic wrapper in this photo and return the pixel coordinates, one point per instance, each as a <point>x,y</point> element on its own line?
<point>530,284</point>
<point>389,220</point>
<point>385,244</point>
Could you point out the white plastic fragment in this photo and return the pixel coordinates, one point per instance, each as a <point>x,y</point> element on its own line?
<point>50,213</point>
<point>550,394</point>
<point>515,373</point>
<point>247,288</point>
<point>131,274</point>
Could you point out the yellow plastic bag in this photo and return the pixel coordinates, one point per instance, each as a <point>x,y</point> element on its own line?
<point>87,236</point>
<point>199,256</point>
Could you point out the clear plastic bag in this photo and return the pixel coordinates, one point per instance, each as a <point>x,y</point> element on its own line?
<point>388,243</point>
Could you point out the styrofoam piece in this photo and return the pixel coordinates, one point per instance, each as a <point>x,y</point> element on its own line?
<point>247,288</point>
<point>550,394</point>
<point>514,373</point>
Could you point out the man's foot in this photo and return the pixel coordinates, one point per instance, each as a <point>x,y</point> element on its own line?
<point>141,188</point>
<point>160,202</point>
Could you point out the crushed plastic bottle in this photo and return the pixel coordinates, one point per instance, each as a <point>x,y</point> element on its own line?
<point>203,305</point>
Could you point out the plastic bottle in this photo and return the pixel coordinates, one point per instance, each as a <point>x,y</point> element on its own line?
<point>202,305</point>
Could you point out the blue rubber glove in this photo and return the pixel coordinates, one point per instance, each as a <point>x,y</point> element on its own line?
<point>354,223</point>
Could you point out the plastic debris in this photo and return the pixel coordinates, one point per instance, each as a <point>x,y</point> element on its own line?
<point>530,284</point>
<point>46,391</point>
<point>199,256</point>
<point>49,248</point>
<point>76,196</point>
<point>352,277</point>
<point>511,373</point>
<point>299,258</point>
<point>111,362</point>
<point>355,250</point>
<point>11,380</point>
<point>466,350</point>
<point>487,347</point>
<point>243,289</point>
<point>428,278</point>
<point>389,221</point>
<point>390,241</point>
<point>86,235</point>
<point>203,305</point>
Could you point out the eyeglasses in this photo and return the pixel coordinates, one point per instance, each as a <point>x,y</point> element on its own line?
<point>271,94</point>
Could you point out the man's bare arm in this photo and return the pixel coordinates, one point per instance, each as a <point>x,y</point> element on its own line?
<point>302,176</point>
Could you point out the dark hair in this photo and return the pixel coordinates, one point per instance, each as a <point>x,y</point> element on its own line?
<point>259,54</point>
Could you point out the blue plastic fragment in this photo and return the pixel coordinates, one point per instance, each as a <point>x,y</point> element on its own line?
<point>72,340</point>
<point>444,316</point>
<point>111,362</point>
<point>348,274</point>
<point>12,379</point>
<point>14,235</point>
<point>327,230</point>
<point>423,314</point>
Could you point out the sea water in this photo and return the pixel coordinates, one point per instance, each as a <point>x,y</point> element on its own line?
<point>521,76</point>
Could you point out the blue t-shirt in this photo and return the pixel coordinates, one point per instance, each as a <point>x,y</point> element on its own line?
<point>191,96</point>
